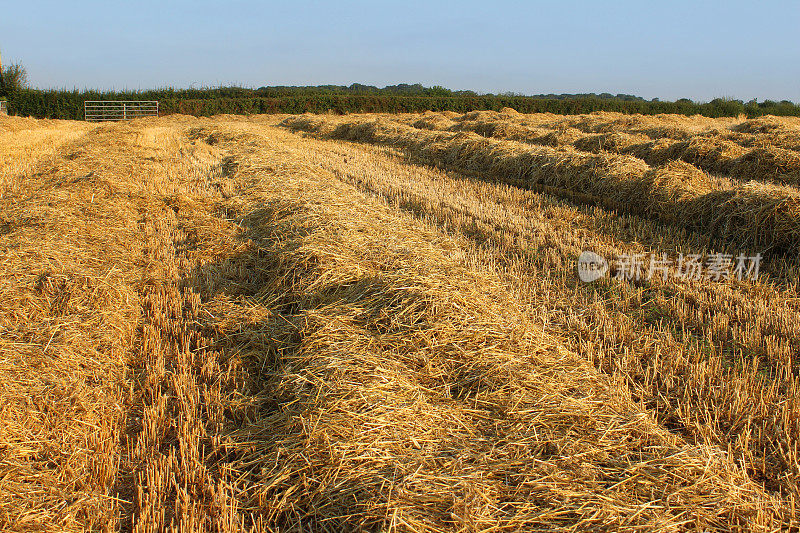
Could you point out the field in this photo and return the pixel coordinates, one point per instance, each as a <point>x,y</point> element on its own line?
<point>376,323</point>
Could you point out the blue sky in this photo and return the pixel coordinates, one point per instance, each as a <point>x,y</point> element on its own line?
<point>700,50</point>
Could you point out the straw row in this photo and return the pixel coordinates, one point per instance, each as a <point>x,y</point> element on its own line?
<point>421,396</point>
<point>778,132</point>
<point>735,390</point>
<point>755,215</point>
<point>206,329</point>
<point>710,152</point>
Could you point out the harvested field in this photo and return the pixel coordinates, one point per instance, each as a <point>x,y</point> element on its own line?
<point>374,323</point>
<point>754,214</point>
<point>764,149</point>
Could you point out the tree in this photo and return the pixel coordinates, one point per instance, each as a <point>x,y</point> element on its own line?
<point>2,83</point>
<point>14,78</point>
<point>438,90</point>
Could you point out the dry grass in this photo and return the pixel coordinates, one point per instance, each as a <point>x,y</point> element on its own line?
<point>754,214</point>
<point>68,317</point>
<point>215,324</point>
<point>713,145</point>
<point>433,121</point>
<point>72,272</point>
<point>418,380</point>
<point>698,354</point>
<point>27,145</point>
<point>779,132</point>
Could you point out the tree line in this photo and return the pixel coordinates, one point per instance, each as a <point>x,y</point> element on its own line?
<point>358,98</point>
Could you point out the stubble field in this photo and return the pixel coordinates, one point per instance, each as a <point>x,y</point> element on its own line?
<point>375,322</point>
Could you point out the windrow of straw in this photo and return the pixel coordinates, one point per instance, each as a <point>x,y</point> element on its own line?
<point>10,124</point>
<point>206,329</point>
<point>433,121</point>
<point>68,316</point>
<point>768,125</point>
<point>763,132</point>
<point>789,140</point>
<point>670,126</point>
<point>618,142</point>
<point>715,154</point>
<point>769,131</point>
<point>27,146</point>
<point>422,397</point>
<point>504,129</point>
<point>735,390</point>
<point>88,284</point>
<point>761,215</point>
<point>712,153</point>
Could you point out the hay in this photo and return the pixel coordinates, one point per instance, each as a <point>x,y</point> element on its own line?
<point>422,397</point>
<point>763,125</point>
<point>769,212</point>
<point>714,154</point>
<point>205,328</point>
<point>479,116</point>
<point>560,137</point>
<point>710,152</point>
<point>433,121</point>
<point>611,142</point>
<point>83,228</point>
<point>514,131</point>
<point>68,313</point>
<point>596,122</point>
<point>769,164</point>
<point>675,183</point>
<point>12,124</point>
<point>667,132</point>
<point>704,392</point>
<point>623,180</point>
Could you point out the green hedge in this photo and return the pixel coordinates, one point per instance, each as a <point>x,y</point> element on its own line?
<point>69,104</point>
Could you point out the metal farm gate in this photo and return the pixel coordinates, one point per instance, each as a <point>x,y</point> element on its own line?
<point>101,111</point>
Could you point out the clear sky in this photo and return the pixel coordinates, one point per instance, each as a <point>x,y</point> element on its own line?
<point>669,49</point>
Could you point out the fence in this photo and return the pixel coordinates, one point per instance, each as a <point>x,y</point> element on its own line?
<point>3,107</point>
<point>100,111</point>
